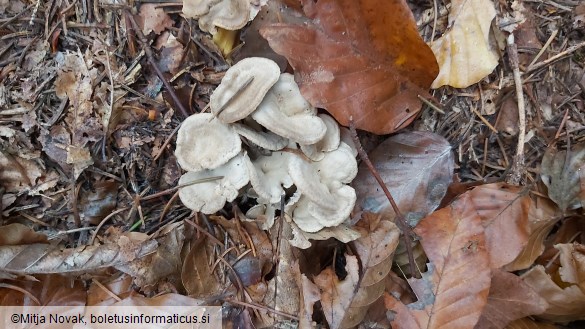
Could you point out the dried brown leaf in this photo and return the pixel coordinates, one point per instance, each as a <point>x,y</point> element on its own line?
<point>17,174</point>
<point>528,323</point>
<point>563,173</point>
<point>509,299</point>
<point>453,292</point>
<point>504,215</point>
<point>196,275</point>
<point>154,19</point>
<point>336,295</point>
<point>45,259</point>
<point>542,216</point>
<point>48,290</point>
<point>416,167</point>
<point>309,295</point>
<point>348,61</point>
<point>15,234</point>
<point>566,302</point>
<point>99,203</point>
<point>375,249</point>
<point>121,287</point>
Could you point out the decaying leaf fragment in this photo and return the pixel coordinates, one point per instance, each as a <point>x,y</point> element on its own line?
<point>454,291</point>
<point>361,59</point>
<point>375,249</point>
<point>564,174</point>
<point>510,298</point>
<point>567,301</point>
<point>464,52</point>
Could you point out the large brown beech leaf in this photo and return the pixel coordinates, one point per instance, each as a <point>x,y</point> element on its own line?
<point>454,291</point>
<point>362,59</point>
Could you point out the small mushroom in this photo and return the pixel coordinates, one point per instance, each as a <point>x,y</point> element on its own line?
<point>205,144</point>
<point>268,174</point>
<point>266,140</point>
<point>210,197</point>
<point>242,88</point>
<point>325,200</point>
<point>328,143</point>
<point>285,112</point>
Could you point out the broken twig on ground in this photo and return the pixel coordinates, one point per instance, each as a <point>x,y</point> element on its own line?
<point>518,169</point>
<point>400,221</point>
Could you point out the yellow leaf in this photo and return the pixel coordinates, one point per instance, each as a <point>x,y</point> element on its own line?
<point>463,52</point>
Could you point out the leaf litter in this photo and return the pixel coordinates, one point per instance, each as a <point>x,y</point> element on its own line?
<point>91,100</point>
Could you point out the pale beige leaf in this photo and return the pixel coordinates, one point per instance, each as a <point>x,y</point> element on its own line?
<point>454,290</point>
<point>509,299</point>
<point>464,53</point>
<point>565,304</point>
<point>336,294</point>
<point>309,295</point>
<point>573,260</point>
<point>154,19</point>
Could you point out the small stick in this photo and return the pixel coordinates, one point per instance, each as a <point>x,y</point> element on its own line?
<point>562,54</point>
<point>400,221</point>
<point>518,164</point>
<point>150,57</point>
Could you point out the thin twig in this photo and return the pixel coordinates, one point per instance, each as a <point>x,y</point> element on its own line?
<point>400,221</point>
<point>518,164</point>
<point>560,55</point>
<point>150,57</point>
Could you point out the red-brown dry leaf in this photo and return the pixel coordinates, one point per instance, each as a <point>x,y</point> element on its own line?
<point>197,277</point>
<point>336,295</point>
<point>453,292</point>
<point>15,234</point>
<point>417,168</point>
<point>509,299</point>
<point>362,59</point>
<point>542,216</point>
<point>49,290</point>
<point>528,323</point>
<point>504,215</point>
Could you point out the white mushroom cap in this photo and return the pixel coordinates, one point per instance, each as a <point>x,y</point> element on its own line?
<point>287,113</point>
<point>328,143</point>
<point>243,87</point>
<point>227,14</point>
<point>205,144</point>
<point>325,199</point>
<point>346,138</point>
<point>266,140</point>
<point>268,174</point>
<point>210,197</point>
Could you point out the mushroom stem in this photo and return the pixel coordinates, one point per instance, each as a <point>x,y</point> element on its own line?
<point>400,221</point>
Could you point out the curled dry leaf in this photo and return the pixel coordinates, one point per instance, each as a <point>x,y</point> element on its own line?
<point>348,61</point>
<point>464,52</point>
<point>564,175</point>
<point>45,259</point>
<point>510,298</point>
<point>336,295</point>
<point>504,214</point>
<point>375,249</point>
<point>416,167</point>
<point>567,301</point>
<point>453,292</point>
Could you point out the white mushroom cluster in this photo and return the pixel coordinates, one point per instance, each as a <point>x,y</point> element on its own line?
<point>289,149</point>
<point>227,14</point>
